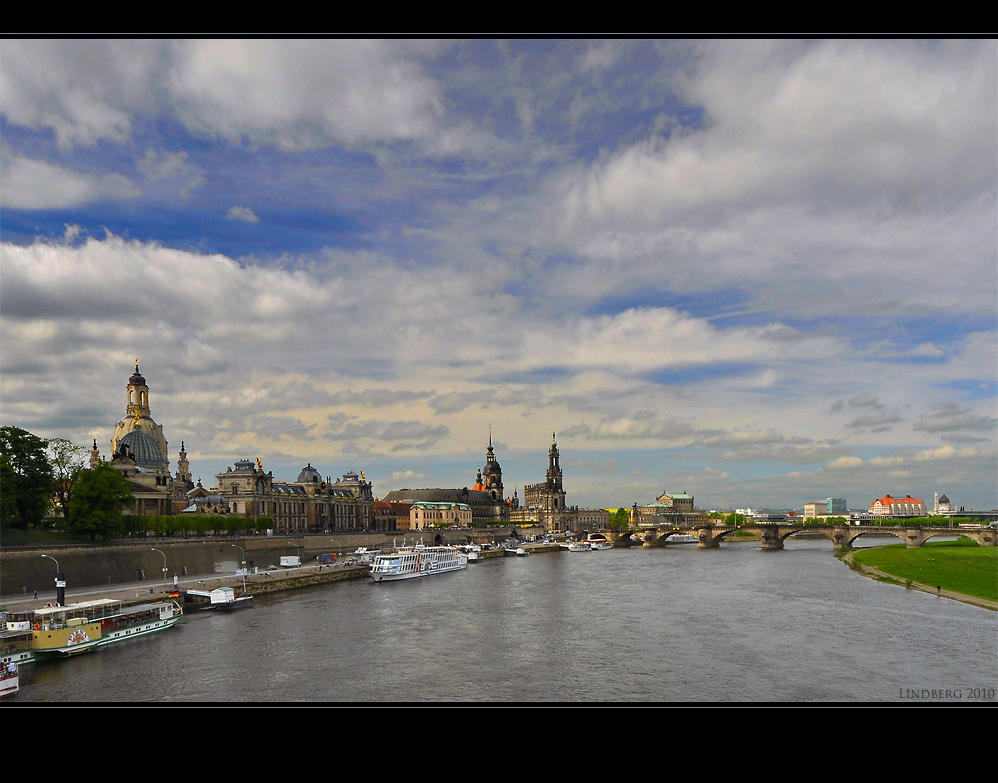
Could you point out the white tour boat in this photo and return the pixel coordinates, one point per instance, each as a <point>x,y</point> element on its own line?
<point>598,541</point>
<point>409,563</point>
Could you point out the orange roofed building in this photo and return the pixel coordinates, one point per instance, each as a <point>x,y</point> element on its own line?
<point>891,506</point>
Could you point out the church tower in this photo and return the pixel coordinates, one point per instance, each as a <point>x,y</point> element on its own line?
<point>554,469</point>
<point>492,475</point>
<point>183,467</point>
<point>139,417</point>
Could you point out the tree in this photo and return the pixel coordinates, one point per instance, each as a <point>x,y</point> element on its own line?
<point>25,478</point>
<point>620,519</point>
<point>98,497</point>
<point>66,459</point>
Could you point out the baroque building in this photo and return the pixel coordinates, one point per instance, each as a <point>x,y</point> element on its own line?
<point>309,505</point>
<point>139,452</point>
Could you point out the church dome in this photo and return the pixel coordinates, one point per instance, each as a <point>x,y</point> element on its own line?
<point>142,448</point>
<point>136,379</point>
<point>309,475</point>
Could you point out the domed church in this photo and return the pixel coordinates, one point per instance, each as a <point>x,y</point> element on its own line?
<point>139,452</point>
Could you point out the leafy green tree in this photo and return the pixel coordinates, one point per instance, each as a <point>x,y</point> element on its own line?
<point>98,498</point>
<point>25,478</point>
<point>66,459</point>
<point>620,519</point>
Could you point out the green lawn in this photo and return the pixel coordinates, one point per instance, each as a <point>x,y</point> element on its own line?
<point>961,566</point>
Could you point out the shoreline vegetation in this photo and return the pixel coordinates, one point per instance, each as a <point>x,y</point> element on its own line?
<point>960,570</point>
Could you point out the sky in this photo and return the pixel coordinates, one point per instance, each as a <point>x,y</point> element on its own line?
<point>760,273</point>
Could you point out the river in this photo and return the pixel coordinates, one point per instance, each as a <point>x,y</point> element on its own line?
<point>733,624</point>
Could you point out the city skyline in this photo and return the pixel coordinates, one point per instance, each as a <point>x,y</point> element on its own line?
<point>762,273</point>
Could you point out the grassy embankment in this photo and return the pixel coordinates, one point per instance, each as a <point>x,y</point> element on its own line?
<point>958,566</point>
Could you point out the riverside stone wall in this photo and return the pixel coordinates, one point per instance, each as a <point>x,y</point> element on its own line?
<point>24,570</point>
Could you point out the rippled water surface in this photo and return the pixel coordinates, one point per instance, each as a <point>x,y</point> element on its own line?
<point>734,624</point>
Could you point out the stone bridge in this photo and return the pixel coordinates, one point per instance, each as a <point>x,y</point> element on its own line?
<point>773,536</point>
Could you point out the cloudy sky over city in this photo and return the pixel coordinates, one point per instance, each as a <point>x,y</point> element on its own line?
<point>763,273</point>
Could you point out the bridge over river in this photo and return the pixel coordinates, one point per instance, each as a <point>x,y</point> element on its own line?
<point>772,536</point>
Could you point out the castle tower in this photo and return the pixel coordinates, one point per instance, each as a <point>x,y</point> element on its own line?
<point>492,474</point>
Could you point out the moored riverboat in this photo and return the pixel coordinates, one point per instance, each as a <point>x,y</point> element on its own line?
<point>17,641</point>
<point>410,563</point>
<point>61,631</point>
<point>224,599</point>
<point>598,541</point>
<point>10,682</point>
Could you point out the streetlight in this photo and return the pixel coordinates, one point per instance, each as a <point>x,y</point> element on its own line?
<point>296,551</point>
<point>164,562</point>
<point>54,561</point>
<point>60,582</point>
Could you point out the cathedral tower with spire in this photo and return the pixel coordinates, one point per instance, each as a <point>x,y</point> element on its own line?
<point>492,474</point>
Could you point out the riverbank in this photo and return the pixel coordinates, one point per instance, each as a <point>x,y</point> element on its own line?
<point>903,581</point>
<point>277,580</point>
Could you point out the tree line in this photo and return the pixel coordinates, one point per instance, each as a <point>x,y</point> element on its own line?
<point>48,485</point>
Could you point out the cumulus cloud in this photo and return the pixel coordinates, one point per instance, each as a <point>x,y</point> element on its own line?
<point>789,118</point>
<point>296,94</point>
<point>82,91</point>
<point>245,214</point>
<point>37,184</point>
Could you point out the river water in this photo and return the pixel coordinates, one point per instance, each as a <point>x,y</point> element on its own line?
<point>734,624</point>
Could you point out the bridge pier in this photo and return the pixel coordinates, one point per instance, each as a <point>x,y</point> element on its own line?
<point>771,538</point>
<point>706,539</point>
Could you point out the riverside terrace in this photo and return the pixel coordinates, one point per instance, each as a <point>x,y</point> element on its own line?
<point>772,536</point>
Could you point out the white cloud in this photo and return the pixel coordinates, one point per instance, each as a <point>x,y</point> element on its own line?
<point>36,184</point>
<point>83,90</point>
<point>244,214</point>
<point>296,94</point>
<point>302,94</point>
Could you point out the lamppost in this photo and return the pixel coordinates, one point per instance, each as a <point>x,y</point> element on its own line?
<point>60,582</point>
<point>296,551</point>
<point>243,563</point>
<point>164,562</point>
